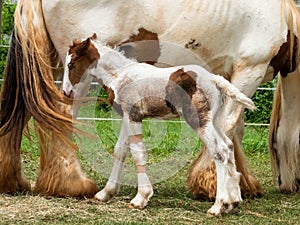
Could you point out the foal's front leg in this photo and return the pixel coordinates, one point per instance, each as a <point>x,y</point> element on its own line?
<point>138,151</point>
<point>112,186</point>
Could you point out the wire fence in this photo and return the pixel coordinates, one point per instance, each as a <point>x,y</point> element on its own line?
<point>175,121</point>
<point>169,121</point>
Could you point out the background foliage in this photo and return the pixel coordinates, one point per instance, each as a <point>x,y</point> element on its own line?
<point>262,99</point>
<point>7,25</point>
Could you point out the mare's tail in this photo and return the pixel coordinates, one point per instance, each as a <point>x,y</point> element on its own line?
<point>28,88</point>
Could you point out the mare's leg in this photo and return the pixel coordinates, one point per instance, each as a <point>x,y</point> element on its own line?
<point>11,174</point>
<point>284,134</point>
<point>120,153</point>
<point>60,171</point>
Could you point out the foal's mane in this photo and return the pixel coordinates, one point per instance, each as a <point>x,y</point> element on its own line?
<point>82,48</point>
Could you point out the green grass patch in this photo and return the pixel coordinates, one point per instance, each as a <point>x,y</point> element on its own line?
<point>171,203</point>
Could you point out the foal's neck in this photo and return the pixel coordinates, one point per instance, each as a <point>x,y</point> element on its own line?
<point>109,63</point>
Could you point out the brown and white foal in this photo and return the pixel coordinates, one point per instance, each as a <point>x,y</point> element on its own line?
<point>138,91</point>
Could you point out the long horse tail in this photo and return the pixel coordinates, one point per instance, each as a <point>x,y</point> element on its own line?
<point>293,19</point>
<point>283,156</point>
<point>292,16</point>
<point>274,123</point>
<point>29,76</point>
<point>29,90</point>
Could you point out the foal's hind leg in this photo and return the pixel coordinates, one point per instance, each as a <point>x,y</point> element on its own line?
<point>228,190</point>
<point>231,115</point>
<point>145,190</point>
<point>138,151</point>
<point>112,186</point>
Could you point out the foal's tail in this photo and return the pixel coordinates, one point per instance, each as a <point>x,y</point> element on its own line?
<point>229,90</point>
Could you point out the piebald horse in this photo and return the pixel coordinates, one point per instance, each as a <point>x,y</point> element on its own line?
<point>138,91</point>
<point>248,42</point>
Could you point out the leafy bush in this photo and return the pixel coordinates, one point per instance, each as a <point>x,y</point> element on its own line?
<point>8,10</point>
<point>263,100</point>
<point>3,54</point>
<point>7,26</point>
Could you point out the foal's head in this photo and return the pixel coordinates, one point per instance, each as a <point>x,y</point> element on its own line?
<point>81,55</point>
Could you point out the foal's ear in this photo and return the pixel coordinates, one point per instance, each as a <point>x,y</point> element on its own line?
<point>88,42</point>
<point>94,36</point>
<point>84,46</point>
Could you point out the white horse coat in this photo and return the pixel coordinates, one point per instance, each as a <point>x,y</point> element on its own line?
<point>237,39</point>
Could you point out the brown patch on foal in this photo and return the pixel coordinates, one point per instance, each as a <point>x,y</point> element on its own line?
<point>186,80</point>
<point>83,54</point>
<point>110,93</point>
<point>182,91</point>
<point>149,107</point>
<point>201,103</point>
<point>111,99</point>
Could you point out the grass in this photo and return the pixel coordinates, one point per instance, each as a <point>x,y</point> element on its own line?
<point>171,203</point>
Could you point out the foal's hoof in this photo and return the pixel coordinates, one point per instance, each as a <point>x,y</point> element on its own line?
<point>108,192</point>
<point>140,201</point>
<point>222,208</point>
<point>104,196</point>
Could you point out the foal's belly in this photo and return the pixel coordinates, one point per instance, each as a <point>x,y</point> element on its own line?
<point>150,107</point>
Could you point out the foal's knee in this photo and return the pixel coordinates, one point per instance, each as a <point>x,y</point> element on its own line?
<point>224,153</point>
<point>219,156</point>
<point>121,151</point>
<point>230,146</point>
